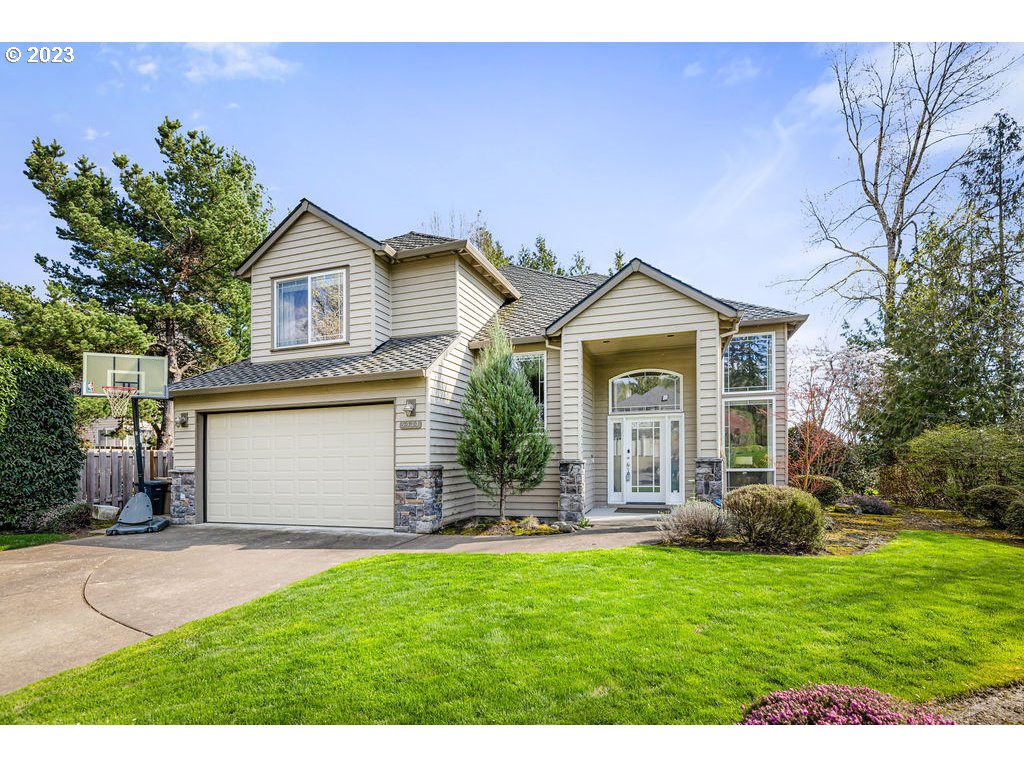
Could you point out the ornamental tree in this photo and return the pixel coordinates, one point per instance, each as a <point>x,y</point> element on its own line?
<point>503,445</point>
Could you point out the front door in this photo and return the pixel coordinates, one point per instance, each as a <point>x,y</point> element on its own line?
<point>646,453</point>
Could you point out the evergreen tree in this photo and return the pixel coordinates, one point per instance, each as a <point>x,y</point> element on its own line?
<point>540,257</point>
<point>579,265</point>
<point>503,445</point>
<point>160,246</point>
<point>619,263</point>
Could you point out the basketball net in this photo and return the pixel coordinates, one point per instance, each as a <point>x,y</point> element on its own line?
<point>120,399</point>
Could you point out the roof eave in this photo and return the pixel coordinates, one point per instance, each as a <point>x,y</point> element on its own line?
<point>472,254</point>
<point>794,320</point>
<point>516,340</point>
<point>411,373</point>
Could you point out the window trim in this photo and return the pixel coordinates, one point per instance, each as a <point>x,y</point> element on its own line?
<point>771,365</point>
<point>616,377</point>
<point>543,356</point>
<point>308,277</point>
<point>772,447</point>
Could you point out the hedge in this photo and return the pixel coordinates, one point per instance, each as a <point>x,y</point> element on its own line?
<point>40,452</point>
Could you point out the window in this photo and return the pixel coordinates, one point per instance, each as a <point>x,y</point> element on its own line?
<point>748,362</point>
<point>534,367</point>
<point>310,309</point>
<point>645,391</point>
<point>749,450</point>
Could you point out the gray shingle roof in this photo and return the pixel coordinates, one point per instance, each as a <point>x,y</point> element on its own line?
<point>545,298</point>
<point>411,240</point>
<point>393,356</point>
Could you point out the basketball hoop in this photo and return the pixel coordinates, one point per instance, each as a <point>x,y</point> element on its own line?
<point>120,399</point>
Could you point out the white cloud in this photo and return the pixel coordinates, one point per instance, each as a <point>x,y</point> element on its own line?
<point>693,69</point>
<point>232,105</point>
<point>738,71</point>
<point>91,134</point>
<point>145,67</point>
<point>231,61</point>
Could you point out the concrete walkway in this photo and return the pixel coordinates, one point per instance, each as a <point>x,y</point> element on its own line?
<point>65,604</point>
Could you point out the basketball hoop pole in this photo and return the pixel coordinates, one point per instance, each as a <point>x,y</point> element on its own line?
<point>138,445</point>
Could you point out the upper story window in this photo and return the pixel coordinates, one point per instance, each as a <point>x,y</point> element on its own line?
<point>748,363</point>
<point>644,391</point>
<point>534,367</point>
<point>310,309</point>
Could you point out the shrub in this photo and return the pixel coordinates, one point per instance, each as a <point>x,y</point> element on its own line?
<point>776,518</point>
<point>1014,517</point>
<point>940,466</point>
<point>698,519</point>
<point>66,518</point>
<point>827,490</point>
<point>868,505</point>
<point>40,453</point>
<point>991,502</point>
<point>838,705</point>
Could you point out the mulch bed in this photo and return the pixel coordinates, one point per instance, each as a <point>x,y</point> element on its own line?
<point>996,706</point>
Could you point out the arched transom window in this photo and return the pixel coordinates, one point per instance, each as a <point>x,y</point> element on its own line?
<point>646,391</point>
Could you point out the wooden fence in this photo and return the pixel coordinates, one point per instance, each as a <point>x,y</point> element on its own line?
<point>108,475</point>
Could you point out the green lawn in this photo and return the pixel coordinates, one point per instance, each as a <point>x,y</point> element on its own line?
<point>19,540</point>
<point>639,635</point>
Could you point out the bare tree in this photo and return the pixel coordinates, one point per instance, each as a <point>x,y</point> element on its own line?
<point>903,116</point>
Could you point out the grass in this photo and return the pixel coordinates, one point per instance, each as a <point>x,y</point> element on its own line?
<point>19,540</point>
<point>636,635</point>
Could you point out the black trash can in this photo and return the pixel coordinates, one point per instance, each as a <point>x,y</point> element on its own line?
<point>156,490</point>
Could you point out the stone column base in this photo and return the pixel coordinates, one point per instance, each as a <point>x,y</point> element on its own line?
<point>418,498</point>
<point>708,479</point>
<point>183,497</point>
<point>571,490</point>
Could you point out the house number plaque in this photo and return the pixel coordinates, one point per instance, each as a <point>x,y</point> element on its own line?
<point>410,424</point>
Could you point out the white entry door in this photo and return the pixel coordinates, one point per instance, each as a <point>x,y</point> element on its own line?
<point>646,459</point>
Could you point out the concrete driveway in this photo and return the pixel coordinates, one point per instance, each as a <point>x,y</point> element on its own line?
<point>65,604</point>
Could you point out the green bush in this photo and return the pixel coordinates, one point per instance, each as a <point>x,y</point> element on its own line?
<point>772,517</point>
<point>40,452</point>
<point>66,518</point>
<point>827,490</point>
<point>1014,517</point>
<point>939,467</point>
<point>991,502</point>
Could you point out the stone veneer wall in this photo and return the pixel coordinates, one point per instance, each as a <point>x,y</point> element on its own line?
<point>708,479</point>
<point>183,497</point>
<point>571,490</point>
<point>419,498</point>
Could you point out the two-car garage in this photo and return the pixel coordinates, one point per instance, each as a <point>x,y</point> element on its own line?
<point>302,466</point>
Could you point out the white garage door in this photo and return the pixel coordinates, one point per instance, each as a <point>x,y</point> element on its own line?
<point>307,466</point>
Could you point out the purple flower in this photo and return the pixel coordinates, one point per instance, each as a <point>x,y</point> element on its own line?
<point>838,705</point>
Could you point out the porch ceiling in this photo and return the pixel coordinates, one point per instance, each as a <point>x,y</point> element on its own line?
<point>654,342</point>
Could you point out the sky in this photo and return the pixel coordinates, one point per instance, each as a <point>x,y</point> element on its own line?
<point>694,157</point>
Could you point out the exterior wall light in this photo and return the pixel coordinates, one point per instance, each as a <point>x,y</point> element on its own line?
<point>410,407</point>
<point>181,419</point>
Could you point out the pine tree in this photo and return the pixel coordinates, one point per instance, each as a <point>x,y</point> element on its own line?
<point>503,446</point>
<point>619,263</point>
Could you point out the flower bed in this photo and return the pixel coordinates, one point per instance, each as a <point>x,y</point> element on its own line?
<point>838,705</point>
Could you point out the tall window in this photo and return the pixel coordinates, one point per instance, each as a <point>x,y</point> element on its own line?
<point>534,367</point>
<point>749,449</point>
<point>748,362</point>
<point>646,391</point>
<point>310,309</point>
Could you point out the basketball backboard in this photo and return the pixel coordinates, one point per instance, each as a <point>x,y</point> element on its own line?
<point>146,374</point>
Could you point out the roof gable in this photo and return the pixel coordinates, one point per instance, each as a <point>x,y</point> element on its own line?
<point>642,267</point>
<point>305,206</point>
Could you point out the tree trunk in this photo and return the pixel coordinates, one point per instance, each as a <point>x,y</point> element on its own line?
<point>165,435</point>
<point>501,504</point>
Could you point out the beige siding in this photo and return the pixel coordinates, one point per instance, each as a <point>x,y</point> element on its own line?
<point>477,301</point>
<point>382,301</point>
<point>410,445</point>
<point>636,307</point>
<point>313,245</point>
<point>682,360</point>
<point>447,382</point>
<point>587,429</point>
<point>424,297</point>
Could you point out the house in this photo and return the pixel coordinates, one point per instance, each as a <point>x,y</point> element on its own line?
<point>347,411</point>
<point>107,432</point>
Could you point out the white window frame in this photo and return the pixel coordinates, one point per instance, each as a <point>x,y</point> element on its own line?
<point>772,448</point>
<point>771,365</point>
<point>616,377</point>
<point>543,356</point>
<point>343,339</point>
